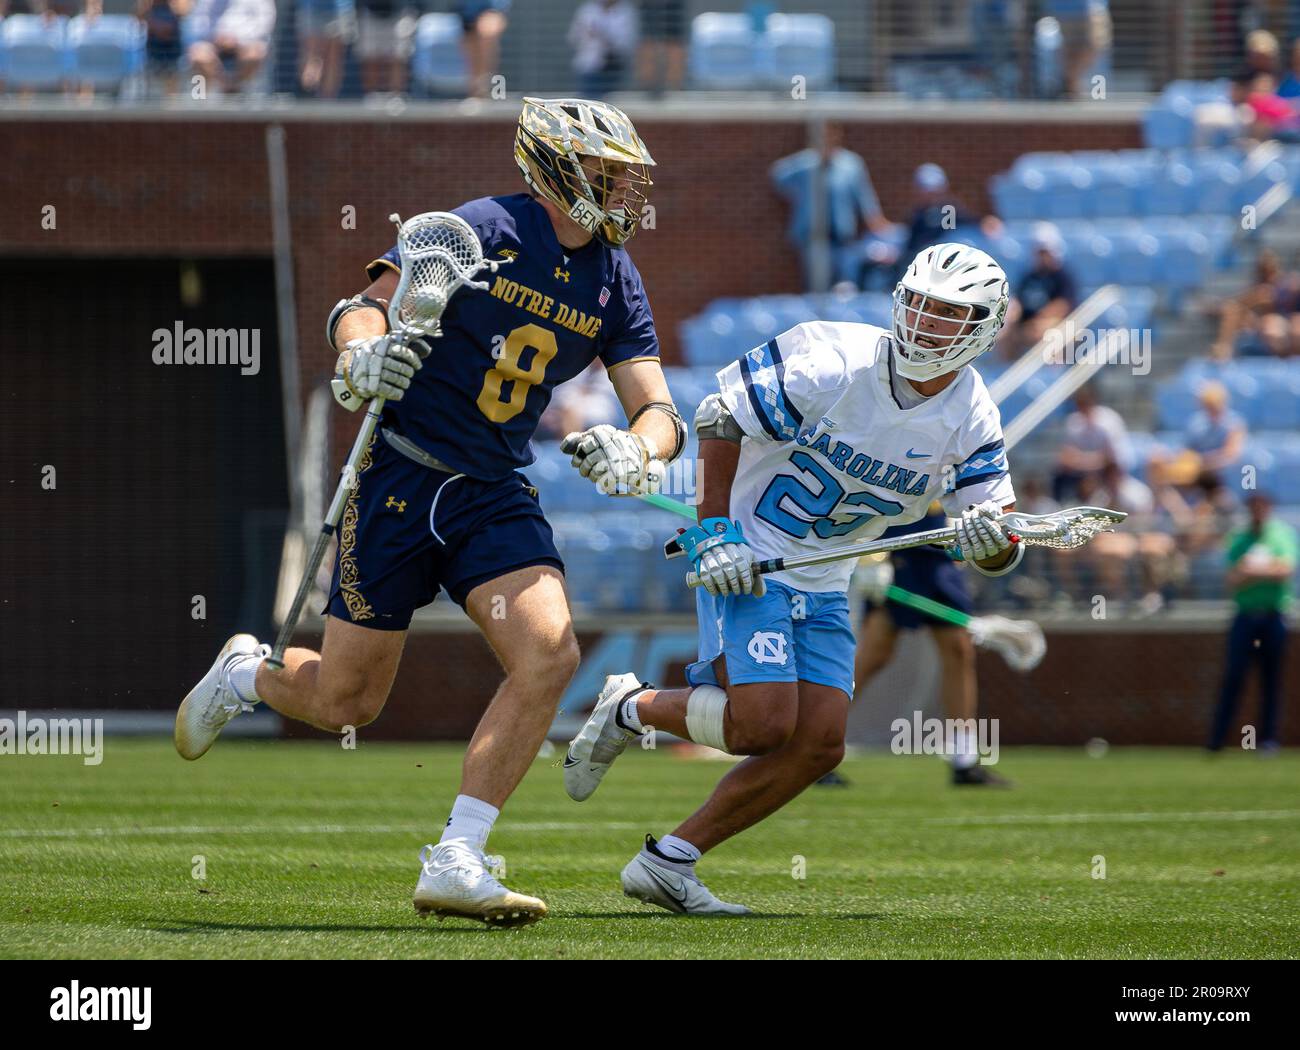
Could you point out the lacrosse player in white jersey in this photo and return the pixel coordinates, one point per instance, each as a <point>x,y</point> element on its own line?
<point>828,434</point>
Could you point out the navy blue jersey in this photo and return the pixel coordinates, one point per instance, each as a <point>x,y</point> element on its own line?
<point>549,313</point>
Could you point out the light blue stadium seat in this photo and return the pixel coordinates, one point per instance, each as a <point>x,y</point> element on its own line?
<point>1091,259</point>
<point>1171,190</point>
<point>1175,402</point>
<point>438,64</point>
<point>106,51</point>
<point>1115,189</point>
<point>1065,194</point>
<point>1136,258</point>
<point>799,45</point>
<point>724,53</point>
<point>35,53</point>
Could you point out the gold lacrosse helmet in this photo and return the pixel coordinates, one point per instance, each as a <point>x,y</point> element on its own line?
<point>607,194</point>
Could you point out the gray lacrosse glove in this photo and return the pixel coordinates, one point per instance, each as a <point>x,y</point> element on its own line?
<point>379,366</point>
<point>617,461</point>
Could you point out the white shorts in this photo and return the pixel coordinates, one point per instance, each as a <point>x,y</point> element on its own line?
<point>385,36</point>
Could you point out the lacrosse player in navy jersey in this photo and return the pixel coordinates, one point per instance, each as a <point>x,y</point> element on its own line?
<point>439,501</point>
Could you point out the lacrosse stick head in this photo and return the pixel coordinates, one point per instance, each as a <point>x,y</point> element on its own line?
<point>1063,529</point>
<point>1020,642</point>
<point>439,252</point>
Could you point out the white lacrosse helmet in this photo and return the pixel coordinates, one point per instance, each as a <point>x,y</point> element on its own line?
<point>960,276</point>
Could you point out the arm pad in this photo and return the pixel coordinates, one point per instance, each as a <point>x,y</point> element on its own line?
<point>346,306</point>
<point>714,420</point>
<point>679,425</point>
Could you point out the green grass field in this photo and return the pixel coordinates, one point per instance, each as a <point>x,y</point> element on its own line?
<point>310,851</point>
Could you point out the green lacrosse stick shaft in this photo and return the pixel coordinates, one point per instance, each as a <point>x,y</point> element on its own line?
<point>896,593</point>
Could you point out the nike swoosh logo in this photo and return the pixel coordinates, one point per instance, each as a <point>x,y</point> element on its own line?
<point>913,454</point>
<point>676,892</point>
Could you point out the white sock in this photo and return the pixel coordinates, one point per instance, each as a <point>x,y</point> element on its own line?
<point>628,717</point>
<point>964,753</point>
<point>243,678</point>
<point>471,819</point>
<point>678,850</point>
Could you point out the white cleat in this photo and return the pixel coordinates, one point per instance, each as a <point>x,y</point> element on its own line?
<point>212,703</point>
<point>454,880</point>
<point>647,880</point>
<point>601,739</point>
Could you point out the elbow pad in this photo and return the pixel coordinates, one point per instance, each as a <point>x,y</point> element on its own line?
<point>714,421</point>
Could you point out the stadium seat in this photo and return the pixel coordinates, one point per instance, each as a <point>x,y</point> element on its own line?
<point>799,45</point>
<point>723,52</point>
<point>106,51</point>
<point>438,64</point>
<point>35,52</point>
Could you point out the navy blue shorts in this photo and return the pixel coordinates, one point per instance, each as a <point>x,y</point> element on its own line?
<point>408,531</point>
<point>931,576</point>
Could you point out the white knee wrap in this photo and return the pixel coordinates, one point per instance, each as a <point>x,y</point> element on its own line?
<point>704,710</point>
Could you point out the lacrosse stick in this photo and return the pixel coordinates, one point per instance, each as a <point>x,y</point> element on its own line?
<point>1062,529</point>
<point>439,253</point>
<point>1020,642</point>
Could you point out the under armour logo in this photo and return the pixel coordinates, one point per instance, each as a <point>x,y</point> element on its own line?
<point>562,275</point>
<point>393,501</point>
<point>767,647</point>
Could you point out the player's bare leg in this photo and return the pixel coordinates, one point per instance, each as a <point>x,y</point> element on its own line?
<point>663,872</point>
<point>525,617</point>
<point>959,697</point>
<point>875,647</point>
<point>763,783</point>
<point>345,684</point>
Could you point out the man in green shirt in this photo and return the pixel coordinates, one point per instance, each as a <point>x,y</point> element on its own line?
<point>1261,563</point>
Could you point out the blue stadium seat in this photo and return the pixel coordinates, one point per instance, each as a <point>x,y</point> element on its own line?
<point>106,51</point>
<point>438,64</point>
<point>35,53</point>
<point>799,45</point>
<point>723,52</point>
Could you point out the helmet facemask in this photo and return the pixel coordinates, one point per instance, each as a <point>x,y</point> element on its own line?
<point>585,158</point>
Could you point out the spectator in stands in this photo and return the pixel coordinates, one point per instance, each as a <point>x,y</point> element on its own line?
<point>91,11</point>
<point>1263,53</point>
<point>1267,312</point>
<point>484,21</point>
<point>1045,297</point>
<point>603,36</point>
<point>1290,86</point>
<point>1085,36</point>
<point>1111,554</point>
<point>231,41</point>
<point>385,41</point>
<point>580,403</point>
<point>162,21</point>
<point>849,201</point>
<point>663,45</point>
<point>324,29</point>
<point>937,213</point>
<point>1261,563</point>
<point>1094,436</point>
<point>1262,113</point>
<point>1215,434</point>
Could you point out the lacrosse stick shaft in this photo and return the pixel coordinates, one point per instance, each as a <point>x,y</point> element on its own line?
<point>347,479</point>
<point>895,592</point>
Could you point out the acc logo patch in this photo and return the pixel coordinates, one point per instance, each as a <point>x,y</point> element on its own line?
<point>768,647</point>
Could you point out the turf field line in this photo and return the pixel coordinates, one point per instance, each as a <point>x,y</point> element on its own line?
<point>294,829</point>
<point>1210,816</point>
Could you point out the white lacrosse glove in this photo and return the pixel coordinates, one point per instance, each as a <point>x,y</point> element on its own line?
<point>722,558</point>
<point>979,535</point>
<point>379,366</point>
<point>874,574</point>
<point>617,461</point>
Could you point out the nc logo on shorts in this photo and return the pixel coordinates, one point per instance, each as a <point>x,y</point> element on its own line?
<point>767,647</point>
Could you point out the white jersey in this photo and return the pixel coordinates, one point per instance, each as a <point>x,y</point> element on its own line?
<point>836,450</point>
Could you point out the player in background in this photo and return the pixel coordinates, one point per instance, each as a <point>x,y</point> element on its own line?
<point>826,435</point>
<point>931,573</point>
<point>439,501</point>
